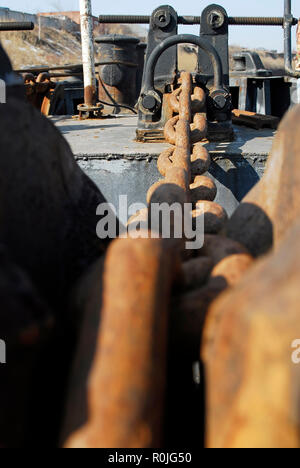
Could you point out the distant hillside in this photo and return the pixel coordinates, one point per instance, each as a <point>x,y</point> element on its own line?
<point>53,46</point>
<point>271,61</point>
<point>61,45</point>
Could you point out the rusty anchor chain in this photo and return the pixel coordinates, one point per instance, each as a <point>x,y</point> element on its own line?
<point>185,162</point>
<point>202,275</point>
<point>141,307</point>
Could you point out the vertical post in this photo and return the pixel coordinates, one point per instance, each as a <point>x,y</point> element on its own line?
<point>288,23</point>
<point>88,59</point>
<point>298,49</point>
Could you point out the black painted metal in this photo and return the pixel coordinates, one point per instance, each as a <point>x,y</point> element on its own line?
<point>161,71</point>
<point>269,95</point>
<point>141,55</point>
<point>149,82</point>
<point>214,29</point>
<point>151,103</point>
<point>16,26</point>
<point>163,25</point>
<point>249,63</point>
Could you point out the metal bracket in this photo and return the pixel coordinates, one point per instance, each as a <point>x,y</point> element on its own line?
<point>214,29</point>
<point>249,64</point>
<point>163,24</point>
<point>152,102</point>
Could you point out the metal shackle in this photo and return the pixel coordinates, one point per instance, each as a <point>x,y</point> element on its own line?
<point>150,98</point>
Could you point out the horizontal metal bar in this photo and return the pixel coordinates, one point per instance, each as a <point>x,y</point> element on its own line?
<point>190,20</point>
<point>36,70</point>
<point>76,66</point>
<point>16,26</point>
<point>258,21</point>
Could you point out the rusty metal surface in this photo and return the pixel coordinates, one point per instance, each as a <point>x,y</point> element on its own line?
<point>252,384</point>
<point>183,163</point>
<point>183,166</point>
<point>201,277</point>
<point>137,292</point>
<point>253,120</point>
<point>39,90</point>
<point>154,290</point>
<point>118,70</point>
<point>274,203</point>
<point>249,332</point>
<point>219,265</point>
<point>127,382</point>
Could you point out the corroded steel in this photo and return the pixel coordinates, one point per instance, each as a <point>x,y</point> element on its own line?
<point>128,379</point>
<point>203,188</point>
<point>39,90</point>
<point>198,129</point>
<point>187,160</point>
<point>196,271</point>
<point>137,291</point>
<point>197,100</point>
<point>214,214</point>
<point>266,213</point>
<point>252,380</point>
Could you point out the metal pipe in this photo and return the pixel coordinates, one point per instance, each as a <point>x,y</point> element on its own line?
<point>192,20</point>
<point>16,26</point>
<point>298,50</point>
<point>75,66</point>
<point>88,60</point>
<point>288,22</point>
<point>183,39</point>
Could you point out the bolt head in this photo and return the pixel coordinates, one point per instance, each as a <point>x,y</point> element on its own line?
<point>149,102</point>
<point>162,18</point>
<point>216,19</point>
<point>220,99</point>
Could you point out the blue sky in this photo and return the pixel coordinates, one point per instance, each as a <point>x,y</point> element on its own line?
<point>270,38</point>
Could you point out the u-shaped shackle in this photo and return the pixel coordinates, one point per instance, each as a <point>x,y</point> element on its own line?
<point>182,39</point>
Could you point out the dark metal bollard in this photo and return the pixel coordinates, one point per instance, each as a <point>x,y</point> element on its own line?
<point>118,70</point>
